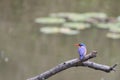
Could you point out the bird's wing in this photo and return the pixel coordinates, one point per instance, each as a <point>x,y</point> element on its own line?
<point>82,51</point>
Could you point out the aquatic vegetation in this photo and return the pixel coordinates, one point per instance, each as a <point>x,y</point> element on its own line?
<point>79,17</point>
<point>49,20</point>
<point>49,30</point>
<point>76,25</point>
<point>113,35</point>
<point>69,16</point>
<point>54,30</point>
<point>87,16</point>
<point>103,25</point>
<point>68,31</point>
<point>72,22</point>
<point>100,15</point>
<point>114,29</point>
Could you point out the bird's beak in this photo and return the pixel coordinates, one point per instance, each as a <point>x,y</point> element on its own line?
<point>76,45</point>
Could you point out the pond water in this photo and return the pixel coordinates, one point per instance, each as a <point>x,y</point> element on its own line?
<point>25,52</point>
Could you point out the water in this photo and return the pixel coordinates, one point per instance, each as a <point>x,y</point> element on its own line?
<point>27,52</point>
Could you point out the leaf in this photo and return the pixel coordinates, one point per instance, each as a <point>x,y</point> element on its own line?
<point>49,20</point>
<point>68,31</point>
<point>49,30</point>
<point>76,25</point>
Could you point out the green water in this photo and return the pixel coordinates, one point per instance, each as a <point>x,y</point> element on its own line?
<point>30,53</point>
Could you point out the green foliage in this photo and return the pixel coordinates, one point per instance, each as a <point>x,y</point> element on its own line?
<point>49,20</point>
<point>72,23</point>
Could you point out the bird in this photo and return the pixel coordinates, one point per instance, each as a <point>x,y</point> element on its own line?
<point>81,50</point>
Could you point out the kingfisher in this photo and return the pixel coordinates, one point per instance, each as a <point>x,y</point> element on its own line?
<point>81,50</point>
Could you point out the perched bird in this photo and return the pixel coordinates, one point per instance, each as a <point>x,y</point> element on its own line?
<point>81,50</point>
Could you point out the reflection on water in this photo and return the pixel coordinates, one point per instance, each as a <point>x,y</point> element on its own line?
<point>30,53</point>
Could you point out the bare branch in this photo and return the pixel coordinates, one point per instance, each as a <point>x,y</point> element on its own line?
<point>74,63</point>
<point>97,66</point>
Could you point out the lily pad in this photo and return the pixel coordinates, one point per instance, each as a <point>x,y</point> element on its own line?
<point>113,35</point>
<point>78,18</point>
<point>54,30</point>
<point>96,15</point>
<point>50,20</point>
<point>87,16</point>
<point>103,25</point>
<point>49,30</point>
<point>70,16</point>
<point>68,31</point>
<point>115,29</point>
<point>77,26</point>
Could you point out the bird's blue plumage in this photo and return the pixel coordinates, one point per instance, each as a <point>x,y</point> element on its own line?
<point>82,44</point>
<point>82,51</point>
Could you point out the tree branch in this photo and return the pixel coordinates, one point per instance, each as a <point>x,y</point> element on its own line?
<point>74,63</point>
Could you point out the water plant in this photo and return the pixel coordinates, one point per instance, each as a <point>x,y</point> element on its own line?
<point>50,20</point>
<point>76,25</point>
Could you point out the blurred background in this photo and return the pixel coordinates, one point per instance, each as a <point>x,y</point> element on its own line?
<point>36,35</point>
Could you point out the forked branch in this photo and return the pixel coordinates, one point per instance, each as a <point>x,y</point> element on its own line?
<point>74,63</point>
